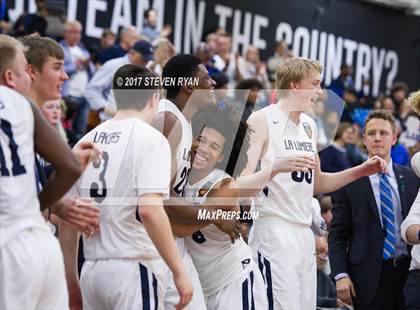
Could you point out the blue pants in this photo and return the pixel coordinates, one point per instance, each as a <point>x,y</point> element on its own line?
<point>412,291</point>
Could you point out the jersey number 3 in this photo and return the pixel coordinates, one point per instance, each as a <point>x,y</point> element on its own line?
<point>96,192</point>
<point>17,167</point>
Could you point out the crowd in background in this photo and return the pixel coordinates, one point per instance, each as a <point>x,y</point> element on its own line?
<point>90,66</point>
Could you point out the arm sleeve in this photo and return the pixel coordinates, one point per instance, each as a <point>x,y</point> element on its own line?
<point>340,232</point>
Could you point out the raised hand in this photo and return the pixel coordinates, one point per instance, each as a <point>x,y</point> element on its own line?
<point>373,165</point>
<point>87,152</point>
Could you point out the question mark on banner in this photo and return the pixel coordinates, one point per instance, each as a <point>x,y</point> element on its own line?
<point>391,62</point>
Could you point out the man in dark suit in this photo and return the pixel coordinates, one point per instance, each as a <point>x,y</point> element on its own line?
<point>369,259</point>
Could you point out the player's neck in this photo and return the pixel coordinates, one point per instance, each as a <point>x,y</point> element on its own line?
<point>294,116</point>
<point>126,114</point>
<point>188,110</point>
<point>36,97</point>
<point>197,175</point>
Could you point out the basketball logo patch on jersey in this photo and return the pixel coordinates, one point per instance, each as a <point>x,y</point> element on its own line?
<point>205,189</point>
<point>308,129</point>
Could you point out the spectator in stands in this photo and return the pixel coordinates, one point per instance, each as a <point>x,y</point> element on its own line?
<point>399,153</point>
<point>221,89</point>
<point>245,101</point>
<point>80,69</point>
<point>326,207</point>
<point>4,17</point>
<point>128,37</point>
<point>34,23</point>
<point>211,40</point>
<point>280,53</point>
<point>164,50</point>
<point>225,60</point>
<point>251,67</point>
<point>325,288</point>
<point>334,158</point>
<point>204,53</point>
<point>399,92</point>
<point>98,91</point>
<point>108,39</point>
<point>150,28</point>
<point>52,111</point>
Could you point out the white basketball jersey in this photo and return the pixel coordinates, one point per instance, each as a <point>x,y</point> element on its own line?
<point>288,196</point>
<point>19,205</point>
<point>182,155</point>
<point>183,151</point>
<point>135,161</point>
<point>217,260</point>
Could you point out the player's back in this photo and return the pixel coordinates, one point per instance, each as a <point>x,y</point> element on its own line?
<point>19,205</point>
<point>288,196</point>
<point>133,154</point>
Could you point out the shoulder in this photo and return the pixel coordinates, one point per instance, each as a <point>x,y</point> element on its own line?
<point>404,170</point>
<point>257,118</point>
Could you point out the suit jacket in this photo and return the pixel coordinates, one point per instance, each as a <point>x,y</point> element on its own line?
<point>356,236</point>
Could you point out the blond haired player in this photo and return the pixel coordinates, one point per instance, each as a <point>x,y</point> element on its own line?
<point>284,140</point>
<point>32,271</point>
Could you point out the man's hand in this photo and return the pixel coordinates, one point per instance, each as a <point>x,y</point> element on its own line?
<point>78,213</point>
<point>185,290</point>
<point>290,164</point>
<point>345,290</point>
<point>87,152</point>
<point>229,227</point>
<point>373,165</point>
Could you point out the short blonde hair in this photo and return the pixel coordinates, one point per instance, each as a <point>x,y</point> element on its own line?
<point>414,101</point>
<point>8,49</point>
<point>293,70</point>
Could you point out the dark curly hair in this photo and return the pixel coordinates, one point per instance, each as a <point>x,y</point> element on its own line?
<point>228,123</point>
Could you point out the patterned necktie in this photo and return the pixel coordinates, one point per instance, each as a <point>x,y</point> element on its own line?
<point>387,214</point>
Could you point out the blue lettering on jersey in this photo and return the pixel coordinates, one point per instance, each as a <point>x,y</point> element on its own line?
<point>107,138</point>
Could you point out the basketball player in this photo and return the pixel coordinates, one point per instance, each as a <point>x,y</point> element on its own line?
<point>123,267</point>
<point>174,120</point>
<point>32,272</point>
<point>45,60</point>
<point>284,138</point>
<point>228,274</point>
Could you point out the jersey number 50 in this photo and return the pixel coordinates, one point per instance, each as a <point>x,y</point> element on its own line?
<point>298,176</point>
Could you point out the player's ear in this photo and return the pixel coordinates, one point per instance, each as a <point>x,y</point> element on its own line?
<point>188,89</point>
<point>31,71</point>
<point>8,79</point>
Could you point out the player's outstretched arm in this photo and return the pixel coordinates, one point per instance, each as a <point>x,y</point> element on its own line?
<point>52,148</point>
<point>156,222</point>
<point>330,182</point>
